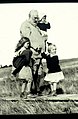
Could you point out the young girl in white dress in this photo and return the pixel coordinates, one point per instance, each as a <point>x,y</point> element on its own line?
<point>55,73</point>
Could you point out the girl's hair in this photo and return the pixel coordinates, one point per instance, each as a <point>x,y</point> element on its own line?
<point>21,43</point>
<point>50,46</point>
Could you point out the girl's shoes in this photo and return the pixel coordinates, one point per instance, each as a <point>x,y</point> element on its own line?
<point>22,95</point>
<point>52,93</point>
<point>12,77</point>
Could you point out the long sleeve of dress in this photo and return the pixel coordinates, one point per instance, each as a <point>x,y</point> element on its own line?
<point>44,55</point>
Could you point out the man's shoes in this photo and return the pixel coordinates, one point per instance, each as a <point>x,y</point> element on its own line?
<point>40,94</point>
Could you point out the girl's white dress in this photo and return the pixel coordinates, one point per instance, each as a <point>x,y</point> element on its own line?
<point>25,73</point>
<point>54,77</point>
<point>55,73</point>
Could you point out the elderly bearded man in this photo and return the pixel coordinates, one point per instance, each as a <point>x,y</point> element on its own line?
<point>30,30</point>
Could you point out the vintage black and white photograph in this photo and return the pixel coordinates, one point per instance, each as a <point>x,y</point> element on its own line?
<point>38,58</point>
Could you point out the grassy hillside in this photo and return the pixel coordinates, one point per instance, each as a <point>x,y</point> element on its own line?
<point>69,84</point>
<point>10,88</point>
<point>66,63</point>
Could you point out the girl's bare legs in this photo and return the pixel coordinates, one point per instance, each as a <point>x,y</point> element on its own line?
<point>28,87</point>
<point>54,88</point>
<point>51,85</point>
<point>23,88</point>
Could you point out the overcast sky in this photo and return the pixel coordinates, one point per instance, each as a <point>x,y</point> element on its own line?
<point>63,18</point>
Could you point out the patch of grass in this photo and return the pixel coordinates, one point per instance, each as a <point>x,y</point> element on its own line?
<point>69,85</point>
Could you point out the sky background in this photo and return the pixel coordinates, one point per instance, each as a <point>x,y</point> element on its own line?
<point>63,18</point>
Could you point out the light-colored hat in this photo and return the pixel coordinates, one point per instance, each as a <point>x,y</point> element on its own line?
<point>42,15</point>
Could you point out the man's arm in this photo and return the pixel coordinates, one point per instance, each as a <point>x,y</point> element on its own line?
<point>25,30</point>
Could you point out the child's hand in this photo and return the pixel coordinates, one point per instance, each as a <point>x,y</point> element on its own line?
<point>46,70</point>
